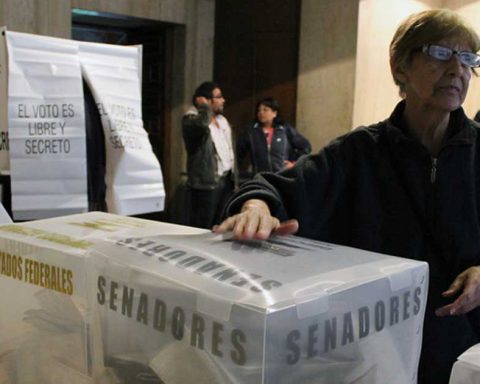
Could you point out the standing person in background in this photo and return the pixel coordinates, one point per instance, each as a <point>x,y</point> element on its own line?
<point>210,158</point>
<point>408,186</point>
<point>271,144</point>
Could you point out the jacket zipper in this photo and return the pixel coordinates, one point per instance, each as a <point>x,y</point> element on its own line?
<point>433,170</point>
<point>431,205</point>
<point>269,147</point>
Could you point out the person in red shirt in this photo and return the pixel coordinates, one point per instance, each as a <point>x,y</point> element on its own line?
<point>270,144</point>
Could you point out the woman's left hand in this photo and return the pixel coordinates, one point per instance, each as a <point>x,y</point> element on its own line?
<point>287,164</point>
<point>469,281</point>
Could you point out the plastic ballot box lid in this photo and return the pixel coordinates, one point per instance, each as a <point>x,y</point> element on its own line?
<point>271,275</point>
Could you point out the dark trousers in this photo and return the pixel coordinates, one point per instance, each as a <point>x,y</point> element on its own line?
<point>206,206</point>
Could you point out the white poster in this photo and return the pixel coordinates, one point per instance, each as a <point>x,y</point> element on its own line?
<point>46,127</point>
<point>4,152</point>
<point>133,175</point>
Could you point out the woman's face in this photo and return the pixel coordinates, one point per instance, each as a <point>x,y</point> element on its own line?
<point>265,115</point>
<point>435,84</point>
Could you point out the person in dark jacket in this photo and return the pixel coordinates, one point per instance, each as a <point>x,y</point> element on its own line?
<point>408,186</point>
<point>210,158</point>
<point>270,144</point>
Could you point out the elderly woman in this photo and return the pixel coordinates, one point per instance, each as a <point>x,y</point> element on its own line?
<point>408,186</point>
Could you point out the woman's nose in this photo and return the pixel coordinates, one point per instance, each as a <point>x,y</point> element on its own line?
<point>455,66</point>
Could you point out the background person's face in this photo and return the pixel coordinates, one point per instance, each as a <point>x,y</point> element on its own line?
<point>265,115</point>
<point>217,101</point>
<point>436,84</point>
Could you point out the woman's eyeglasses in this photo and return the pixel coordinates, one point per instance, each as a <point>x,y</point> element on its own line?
<point>438,52</point>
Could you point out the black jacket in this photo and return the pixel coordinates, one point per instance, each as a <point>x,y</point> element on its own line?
<point>378,189</point>
<point>287,144</point>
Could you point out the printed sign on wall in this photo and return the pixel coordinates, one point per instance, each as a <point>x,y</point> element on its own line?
<point>4,151</point>
<point>133,175</point>
<point>46,127</point>
<point>46,123</point>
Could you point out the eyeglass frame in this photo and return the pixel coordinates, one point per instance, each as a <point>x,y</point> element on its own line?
<point>426,50</point>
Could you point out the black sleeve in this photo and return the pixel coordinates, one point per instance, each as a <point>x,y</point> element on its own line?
<point>195,127</point>
<point>313,192</point>
<point>243,146</point>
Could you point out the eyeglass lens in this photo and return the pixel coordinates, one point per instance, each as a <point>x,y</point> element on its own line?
<point>443,53</point>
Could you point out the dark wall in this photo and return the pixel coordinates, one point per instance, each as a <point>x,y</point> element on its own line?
<point>256,55</point>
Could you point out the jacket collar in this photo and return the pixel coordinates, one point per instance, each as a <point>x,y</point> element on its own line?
<point>256,125</point>
<point>459,130</point>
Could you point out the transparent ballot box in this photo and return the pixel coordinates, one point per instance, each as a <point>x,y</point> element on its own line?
<point>48,332</point>
<point>466,369</point>
<point>205,309</point>
<point>105,299</point>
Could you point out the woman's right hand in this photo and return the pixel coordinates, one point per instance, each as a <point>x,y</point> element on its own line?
<point>255,222</point>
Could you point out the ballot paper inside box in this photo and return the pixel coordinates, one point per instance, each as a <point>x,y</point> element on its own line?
<point>43,323</point>
<point>204,309</point>
<point>46,332</point>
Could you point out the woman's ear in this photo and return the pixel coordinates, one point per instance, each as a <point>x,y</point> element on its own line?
<point>398,73</point>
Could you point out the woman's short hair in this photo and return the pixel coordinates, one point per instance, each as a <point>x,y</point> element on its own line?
<point>428,27</point>
<point>269,102</point>
<point>273,104</point>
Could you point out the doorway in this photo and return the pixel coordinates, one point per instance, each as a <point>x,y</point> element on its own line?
<point>256,56</point>
<point>154,36</point>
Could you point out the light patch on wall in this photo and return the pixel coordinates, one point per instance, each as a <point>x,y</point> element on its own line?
<point>375,92</point>
<point>321,106</point>
<point>471,13</point>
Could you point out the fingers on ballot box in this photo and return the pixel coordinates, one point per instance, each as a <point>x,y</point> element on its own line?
<point>100,298</point>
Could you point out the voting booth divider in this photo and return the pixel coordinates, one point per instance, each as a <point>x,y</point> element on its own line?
<point>43,140</point>
<point>101,298</point>
<point>46,127</point>
<point>4,145</point>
